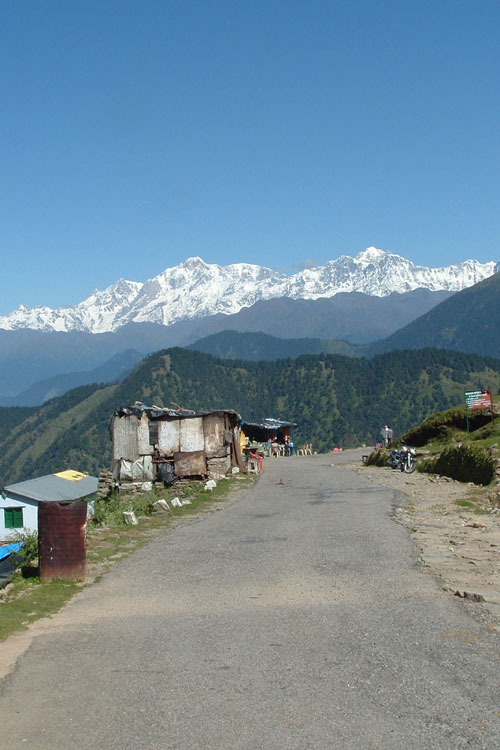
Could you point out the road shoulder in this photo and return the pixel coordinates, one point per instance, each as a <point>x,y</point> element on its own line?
<point>457,534</point>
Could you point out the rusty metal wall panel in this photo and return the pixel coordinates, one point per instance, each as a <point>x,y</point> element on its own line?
<point>191,464</point>
<point>62,540</point>
<point>125,443</point>
<point>169,436</point>
<point>191,435</point>
<point>214,432</point>
<point>144,446</point>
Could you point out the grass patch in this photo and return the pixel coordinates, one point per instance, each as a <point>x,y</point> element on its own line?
<point>28,600</point>
<point>465,503</point>
<point>449,426</point>
<point>474,502</point>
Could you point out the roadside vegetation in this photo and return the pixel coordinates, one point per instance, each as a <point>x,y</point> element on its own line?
<point>465,463</point>
<point>446,448</point>
<point>109,538</point>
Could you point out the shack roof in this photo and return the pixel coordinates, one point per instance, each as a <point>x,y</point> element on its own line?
<point>270,424</point>
<point>160,412</point>
<point>64,486</point>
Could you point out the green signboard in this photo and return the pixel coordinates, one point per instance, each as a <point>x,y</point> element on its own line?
<point>478,400</point>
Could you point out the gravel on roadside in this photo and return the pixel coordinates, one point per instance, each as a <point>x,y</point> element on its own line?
<point>456,530</point>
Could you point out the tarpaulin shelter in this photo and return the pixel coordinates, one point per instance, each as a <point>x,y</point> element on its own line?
<point>267,430</point>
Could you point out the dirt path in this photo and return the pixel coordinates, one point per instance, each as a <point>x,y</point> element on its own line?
<point>460,543</point>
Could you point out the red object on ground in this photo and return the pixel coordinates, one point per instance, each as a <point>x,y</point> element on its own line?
<point>257,458</point>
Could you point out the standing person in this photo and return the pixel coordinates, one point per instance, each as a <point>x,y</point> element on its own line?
<point>275,449</point>
<point>385,436</point>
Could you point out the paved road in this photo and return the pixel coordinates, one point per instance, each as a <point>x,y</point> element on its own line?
<point>296,617</point>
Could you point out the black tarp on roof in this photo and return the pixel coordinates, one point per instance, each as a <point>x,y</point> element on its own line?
<point>160,412</point>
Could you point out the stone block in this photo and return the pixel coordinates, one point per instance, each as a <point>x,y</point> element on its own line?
<point>162,506</point>
<point>130,518</point>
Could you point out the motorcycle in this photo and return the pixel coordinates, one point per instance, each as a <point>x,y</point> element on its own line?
<point>404,459</point>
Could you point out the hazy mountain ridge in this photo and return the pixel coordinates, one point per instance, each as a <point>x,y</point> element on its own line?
<point>255,347</point>
<point>111,371</point>
<point>195,289</point>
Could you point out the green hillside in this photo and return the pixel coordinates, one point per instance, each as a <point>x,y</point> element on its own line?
<point>335,400</point>
<point>12,416</point>
<point>469,321</point>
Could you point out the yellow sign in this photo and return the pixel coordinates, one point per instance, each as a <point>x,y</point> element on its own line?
<point>73,476</point>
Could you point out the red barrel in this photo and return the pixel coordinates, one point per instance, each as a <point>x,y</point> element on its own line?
<point>62,540</point>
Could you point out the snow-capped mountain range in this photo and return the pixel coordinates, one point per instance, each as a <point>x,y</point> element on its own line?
<point>195,289</point>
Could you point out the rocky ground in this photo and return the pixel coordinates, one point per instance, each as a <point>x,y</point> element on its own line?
<point>457,529</point>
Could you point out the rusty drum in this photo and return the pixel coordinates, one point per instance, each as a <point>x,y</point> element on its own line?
<point>62,540</point>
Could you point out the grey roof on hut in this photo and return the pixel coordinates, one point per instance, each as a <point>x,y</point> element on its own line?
<point>55,488</point>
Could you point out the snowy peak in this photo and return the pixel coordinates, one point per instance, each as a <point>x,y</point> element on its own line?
<point>195,289</point>
<point>373,255</point>
<point>96,314</point>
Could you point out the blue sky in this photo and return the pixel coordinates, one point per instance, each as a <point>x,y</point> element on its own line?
<point>136,134</point>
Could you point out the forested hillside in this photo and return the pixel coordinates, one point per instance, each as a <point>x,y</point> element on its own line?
<point>469,321</point>
<point>334,399</point>
<point>12,416</point>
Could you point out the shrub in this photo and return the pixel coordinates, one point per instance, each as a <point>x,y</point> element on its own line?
<point>110,510</point>
<point>29,550</point>
<point>466,463</point>
<point>378,458</point>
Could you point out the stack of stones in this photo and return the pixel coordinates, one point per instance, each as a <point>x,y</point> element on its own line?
<point>218,467</point>
<point>106,485</point>
<point>107,481</point>
<point>131,488</point>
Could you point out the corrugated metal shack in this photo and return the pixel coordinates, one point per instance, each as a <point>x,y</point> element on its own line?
<point>151,442</point>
